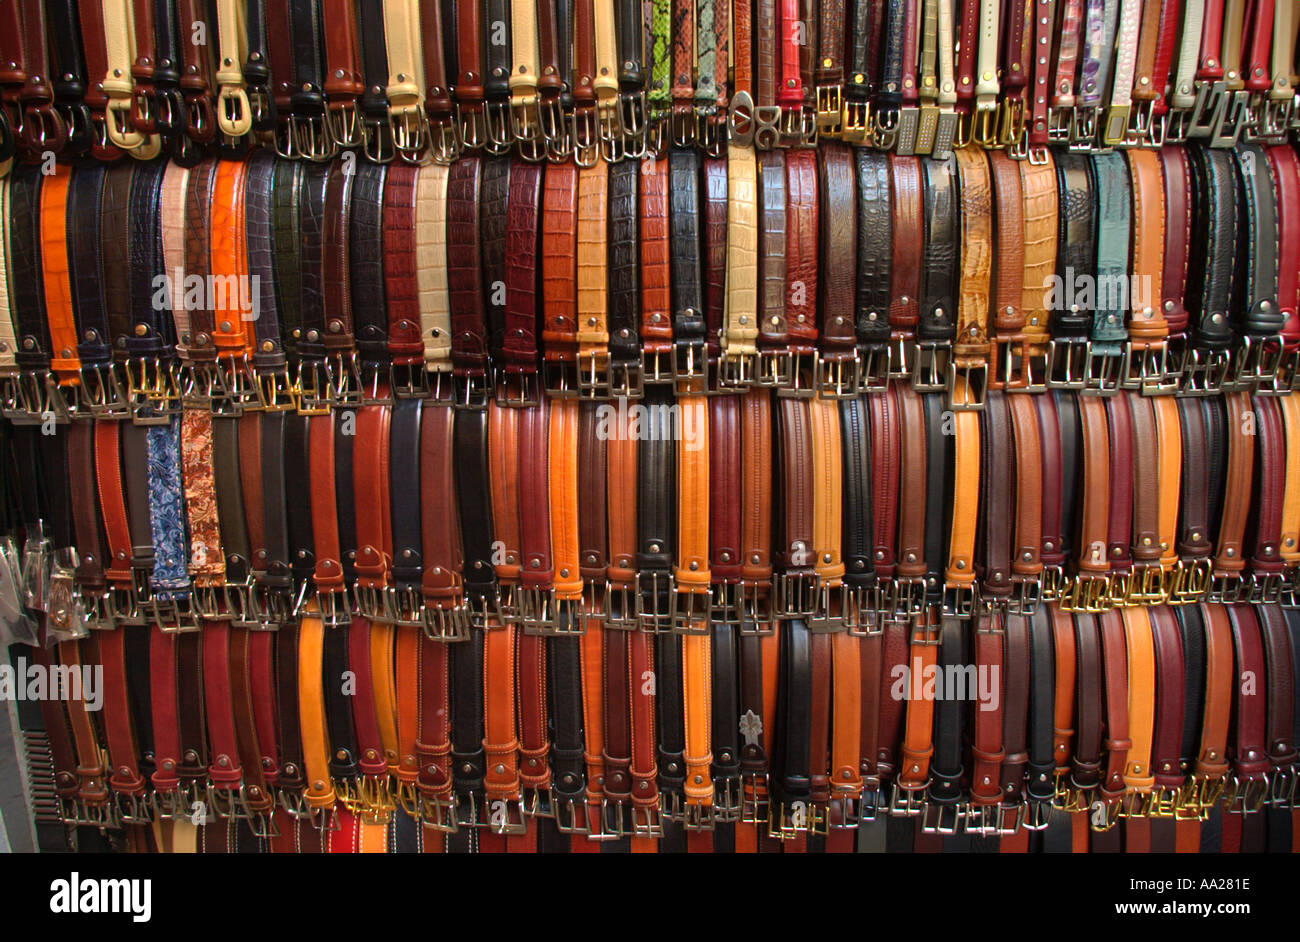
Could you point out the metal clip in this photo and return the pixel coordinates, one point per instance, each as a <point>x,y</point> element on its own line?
<point>1068,362</point>
<point>517,388</point>
<point>974,383</point>
<point>737,371</point>
<point>626,379</point>
<point>656,597</point>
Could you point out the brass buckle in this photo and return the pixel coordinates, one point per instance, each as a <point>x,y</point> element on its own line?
<point>838,376</point>
<point>829,109</point>
<point>790,820</point>
<point>855,120</point>
<point>1067,363</point>
<point>1086,592</point>
<point>933,359</point>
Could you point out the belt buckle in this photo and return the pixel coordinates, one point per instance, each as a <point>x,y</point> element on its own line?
<point>567,817</point>
<point>902,356</point>
<point>1274,120</point>
<point>1208,110</point>
<point>775,368</point>
<point>855,121</point>
<point>690,609</point>
<point>757,617</point>
<point>518,389</point>
<point>1205,372</point>
<point>861,612</point>
<point>1060,121</point>
<point>958,601</point>
<point>1288,596</point>
<point>1026,594</point>
<point>1050,583</point>
<point>838,376</point>
<point>645,821</point>
<point>873,370</point>
<point>554,127</point>
<point>656,601</point>
<point>585,136</point>
<point>975,377</point>
<point>697,816</point>
<point>754,800</point>
<point>620,607</point>
<point>796,595</point>
<point>374,603</point>
<point>470,391</point>
<point>408,380</point>
<point>909,597</point>
<point>906,802</point>
<point>1036,816</point>
<point>275,392</point>
<point>980,819</point>
<point>626,379</point>
<point>690,364</point>
<point>725,604</point>
<point>1083,129</point>
<point>1137,132</point>
<point>172,616</point>
<point>1257,361</point>
<point>1004,374</point>
<point>884,128</point>
<point>767,127</point>
<point>1068,363</point>
<point>1230,119</point>
<point>1146,585</point>
<point>727,801</point>
<point>538,612</point>
<point>334,607</point>
<point>935,817</point>
<point>933,357</point>
<point>829,107</point>
<point>1152,376</point>
<point>790,820</point>
<point>311,389</point>
<point>448,624</point>
<point>1227,587</point>
<point>656,364</point>
<point>736,372</point>
<point>832,603</point>
<point>101,391</point>
<point>740,119</point>
<point>407,603</point>
<point>1103,374</point>
<point>803,375</point>
<point>1246,797</point>
<point>1282,787</point>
